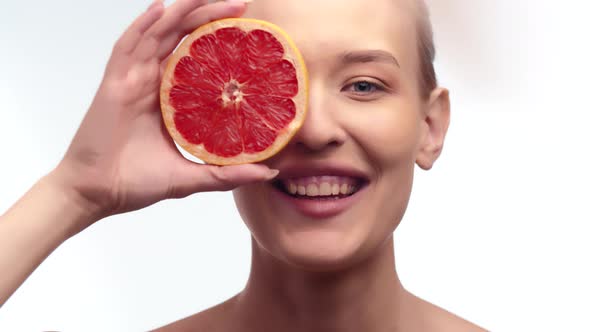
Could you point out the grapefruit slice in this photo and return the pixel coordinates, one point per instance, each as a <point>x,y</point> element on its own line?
<point>234,91</point>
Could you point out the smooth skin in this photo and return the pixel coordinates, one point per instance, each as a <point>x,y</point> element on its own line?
<point>337,275</point>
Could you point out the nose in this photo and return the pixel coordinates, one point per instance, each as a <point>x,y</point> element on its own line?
<point>321,129</point>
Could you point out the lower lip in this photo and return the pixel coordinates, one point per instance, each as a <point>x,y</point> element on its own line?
<point>316,208</point>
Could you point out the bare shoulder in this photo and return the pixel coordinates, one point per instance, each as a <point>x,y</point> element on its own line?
<point>213,319</point>
<point>425,317</point>
<point>435,318</point>
<point>449,322</point>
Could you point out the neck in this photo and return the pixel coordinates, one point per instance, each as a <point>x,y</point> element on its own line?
<point>366,297</point>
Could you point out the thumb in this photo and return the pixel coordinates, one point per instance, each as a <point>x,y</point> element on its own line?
<point>192,178</point>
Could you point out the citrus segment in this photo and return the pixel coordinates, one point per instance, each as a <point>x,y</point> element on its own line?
<point>235,91</point>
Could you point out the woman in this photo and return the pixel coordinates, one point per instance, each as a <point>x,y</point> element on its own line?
<point>317,264</point>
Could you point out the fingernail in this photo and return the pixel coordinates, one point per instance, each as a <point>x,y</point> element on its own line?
<point>272,174</point>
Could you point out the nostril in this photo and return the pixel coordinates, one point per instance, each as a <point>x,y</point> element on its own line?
<point>317,145</point>
<point>321,130</point>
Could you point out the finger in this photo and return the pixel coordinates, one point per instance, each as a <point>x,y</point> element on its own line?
<point>164,65</point>
<point>131,37</point>
<point>213,11</point>
<point>197,18</point>
<point>174,15</point>
<point>193,178</point>
<point>133,34</point>
<point>150,42</point>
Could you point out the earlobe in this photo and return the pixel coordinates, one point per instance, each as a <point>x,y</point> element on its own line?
<point>436,123</point>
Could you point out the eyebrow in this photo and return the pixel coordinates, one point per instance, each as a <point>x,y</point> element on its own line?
<point>365,56</point>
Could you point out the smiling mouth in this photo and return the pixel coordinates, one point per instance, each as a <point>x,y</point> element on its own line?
<point>320,187</point>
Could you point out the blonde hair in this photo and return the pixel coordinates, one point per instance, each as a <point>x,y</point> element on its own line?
<point>426,49</point>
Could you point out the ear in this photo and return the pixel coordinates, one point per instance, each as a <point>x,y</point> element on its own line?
<point>436,123</point>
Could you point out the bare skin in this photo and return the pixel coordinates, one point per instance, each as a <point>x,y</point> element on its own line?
<point>382,305</point>
<point>335,276</point>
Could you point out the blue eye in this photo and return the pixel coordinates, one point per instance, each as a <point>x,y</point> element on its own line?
<point>365,90</point>
<point>365,87</point>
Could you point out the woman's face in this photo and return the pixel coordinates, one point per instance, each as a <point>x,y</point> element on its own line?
<point>351,164</point>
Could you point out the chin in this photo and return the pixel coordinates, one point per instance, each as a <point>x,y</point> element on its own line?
<point>317,234</point>
<point>316,251</point>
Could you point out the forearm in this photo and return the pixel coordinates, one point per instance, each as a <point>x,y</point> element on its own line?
<point>32,229</point>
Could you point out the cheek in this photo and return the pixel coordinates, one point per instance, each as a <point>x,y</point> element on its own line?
<point>260,218</point>
<point>250,205</point>
<point>388,133</point>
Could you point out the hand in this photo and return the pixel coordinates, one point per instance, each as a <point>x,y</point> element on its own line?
<point>122,158</point>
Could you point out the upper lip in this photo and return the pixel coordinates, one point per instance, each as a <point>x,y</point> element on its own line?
<point>298,170</point>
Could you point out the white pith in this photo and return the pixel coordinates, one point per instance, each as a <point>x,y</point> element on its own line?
<point>232,93</point>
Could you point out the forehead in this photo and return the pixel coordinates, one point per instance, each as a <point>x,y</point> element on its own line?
<point>323,27</point>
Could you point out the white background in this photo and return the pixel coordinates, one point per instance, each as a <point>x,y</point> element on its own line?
<point>496,233</point>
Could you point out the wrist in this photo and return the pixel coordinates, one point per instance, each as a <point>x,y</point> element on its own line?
<point>77,212</point>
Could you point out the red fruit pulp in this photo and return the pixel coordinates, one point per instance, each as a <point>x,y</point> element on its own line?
<point>233,93</point>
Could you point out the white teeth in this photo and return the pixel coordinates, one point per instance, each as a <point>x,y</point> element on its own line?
<point>292,188</point>
<point>315,186</point>
<point>325,189</point>
<point>344,189</point>
<point>335,189</point>
<point>301,190</point>
<point>312,190</point>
